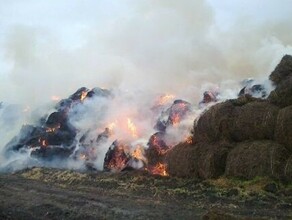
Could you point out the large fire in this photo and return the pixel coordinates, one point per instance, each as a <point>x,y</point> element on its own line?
<point>131,145</point>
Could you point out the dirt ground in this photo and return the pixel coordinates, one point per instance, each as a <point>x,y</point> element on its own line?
<point>42,193</point>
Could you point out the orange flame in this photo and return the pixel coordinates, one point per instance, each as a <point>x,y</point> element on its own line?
<point>156,144</point>
<point>189,140</point>
<point>53,129</point>
<point>165,99</point>
<point>120,159</point>
<point>83,95</point>
<point>159,169</point>
<point>132,128</point>
<point>110,128</point>
<point>138,153</point>
<point>176,120</point>
<point>43,142</point>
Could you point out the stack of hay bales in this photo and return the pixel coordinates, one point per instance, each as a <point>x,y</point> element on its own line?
<point>245,137</point>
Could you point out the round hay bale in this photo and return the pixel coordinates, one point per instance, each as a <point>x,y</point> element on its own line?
<point>283,130</point>
<point>211,160</point>
<point>283,70</point>
<point>282,95</point>
<point>157,149</point>
<point>257,158</point>
<point>237,121</point>
<point>254,121</point>
<point>215,123</point>
<point>202,161</point>
<point>182,161</point>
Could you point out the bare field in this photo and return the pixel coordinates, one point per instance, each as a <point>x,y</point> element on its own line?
<point>42,193</point>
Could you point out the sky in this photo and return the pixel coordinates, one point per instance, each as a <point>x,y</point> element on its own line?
<point>54,47</point>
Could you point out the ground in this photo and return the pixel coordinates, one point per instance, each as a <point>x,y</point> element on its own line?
<point>42,193</point>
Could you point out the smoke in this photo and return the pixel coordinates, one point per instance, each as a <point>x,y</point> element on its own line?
<point>137,48</point>
<point>163,46</point>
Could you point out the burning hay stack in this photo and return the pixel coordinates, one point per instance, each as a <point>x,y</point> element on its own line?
<point>244,137</point>
<point>111,145</point>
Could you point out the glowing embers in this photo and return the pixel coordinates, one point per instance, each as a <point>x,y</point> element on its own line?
<point>159,169</point>
<point>43,142</point>
<point>157,144</point>
<point>189,140</point>
<point>178,111</point>
<point>87,154</point>
<point>117,157</point>
<point>53,129</point>
<point>165,99</point>
<point>173,115</point>
<point>121,156</point>
<point>83,95</point>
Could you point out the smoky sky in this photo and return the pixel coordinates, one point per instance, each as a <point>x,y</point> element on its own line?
<point>54,47</point>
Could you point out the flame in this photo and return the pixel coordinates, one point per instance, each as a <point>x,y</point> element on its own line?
<point>138,153</point>
<point>111,127</point>
<point>177,114</point>
<point>132,128</point>
<point>55,98</point>
<point>83,157</point>
<point>120,158</point>
<point>43,142</point>
<point>165,99</point>
<point>175,120</point>
<point>157,145</point>
<point>83,95</point>
<point>159,169</point>
<point>53,129</point>
<point>189,140</point>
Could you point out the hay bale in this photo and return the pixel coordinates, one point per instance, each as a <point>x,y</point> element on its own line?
<point>215,123</point>
<point>211,161</point>
<point>202,161</point>
<point>283,130</point>
<point>254,120</point>
<point>282,71</point>
<point>257,158</point>
<point>182,161</point>
<point>237,120</point>
<point>282,95</point>
<point>157,149</point>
